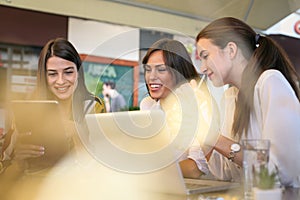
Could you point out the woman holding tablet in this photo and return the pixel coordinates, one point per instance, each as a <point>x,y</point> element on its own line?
<point>59,77</point>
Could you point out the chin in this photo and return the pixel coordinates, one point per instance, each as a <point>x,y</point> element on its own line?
<point>63,97</point>
<point>218,83</point>
<point>155,96</point>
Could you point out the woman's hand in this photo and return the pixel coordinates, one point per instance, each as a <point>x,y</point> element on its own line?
<point>23,151</point>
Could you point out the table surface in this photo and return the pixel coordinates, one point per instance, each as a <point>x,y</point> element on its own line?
<point>88,179</point>
<point>232,194</point>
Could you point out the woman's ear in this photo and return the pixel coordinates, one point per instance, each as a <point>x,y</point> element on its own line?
<point>232,47</point>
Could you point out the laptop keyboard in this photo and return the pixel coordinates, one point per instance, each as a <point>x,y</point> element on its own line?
<point>195,185</point>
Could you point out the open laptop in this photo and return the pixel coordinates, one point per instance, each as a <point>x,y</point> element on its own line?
<point>145,155</point>
<point>169,180</point>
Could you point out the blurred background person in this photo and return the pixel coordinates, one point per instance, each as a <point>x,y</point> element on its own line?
<point>114,101</point>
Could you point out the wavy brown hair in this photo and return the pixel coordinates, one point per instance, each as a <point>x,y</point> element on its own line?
<point>176,58</point>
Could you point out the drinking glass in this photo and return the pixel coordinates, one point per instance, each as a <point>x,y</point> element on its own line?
<point>255,157</point>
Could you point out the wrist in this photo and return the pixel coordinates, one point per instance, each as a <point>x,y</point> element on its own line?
<point>234,149</point>
<point>4,164</point>
<point>19,165</point>
<point>228,148</point>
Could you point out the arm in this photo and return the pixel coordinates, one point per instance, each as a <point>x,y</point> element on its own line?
<point>190,169</point>
<point>219,145</point>
<point>12,170</point>
<point>195,164</point>
<point>107,103</point>
<point>223,145</point>
<point>17,154</point>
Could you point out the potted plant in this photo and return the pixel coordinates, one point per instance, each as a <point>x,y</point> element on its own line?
<point>265,185</point>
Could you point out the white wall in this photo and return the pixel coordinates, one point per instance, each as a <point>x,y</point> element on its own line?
<point>286,26</point>
<point>103,39</point>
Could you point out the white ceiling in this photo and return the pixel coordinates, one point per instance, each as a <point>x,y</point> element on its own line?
<point>260,14</point>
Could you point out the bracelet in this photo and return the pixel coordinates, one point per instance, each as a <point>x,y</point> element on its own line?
<point>231,156</point>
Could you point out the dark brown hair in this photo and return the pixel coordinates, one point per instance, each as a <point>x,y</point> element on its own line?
<point>62,48</point>
<point>261,52</point>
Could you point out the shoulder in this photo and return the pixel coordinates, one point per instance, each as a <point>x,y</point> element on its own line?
<point>270,75</point>
<point>229,96</point>
<point>231,92</point>
<point>99,106</point>
<point>120,97</point>
<point>147,103</point>
<point>95,105</point>
<point>99,100</point>
<point>273,79</point>
<point>272,83</point>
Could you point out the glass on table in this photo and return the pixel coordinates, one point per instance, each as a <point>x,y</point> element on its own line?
<point>255,158</point>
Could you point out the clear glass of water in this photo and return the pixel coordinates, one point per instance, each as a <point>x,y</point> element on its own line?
<point>255,156</point>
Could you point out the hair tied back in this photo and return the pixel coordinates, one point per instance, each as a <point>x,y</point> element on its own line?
<point>257,36</point>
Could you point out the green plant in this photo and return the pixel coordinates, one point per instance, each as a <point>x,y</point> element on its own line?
<point>265,179</point>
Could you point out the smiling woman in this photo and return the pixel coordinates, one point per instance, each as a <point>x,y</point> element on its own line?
<point>265,105</point>
<point>167,64</point>
<point>60,78</point>
<point>157,76</point>
<point>168,69</point>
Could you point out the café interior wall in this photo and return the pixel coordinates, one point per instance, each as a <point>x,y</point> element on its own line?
<point>104,39</point>
<point>88,28</point>
<point>111,12</point>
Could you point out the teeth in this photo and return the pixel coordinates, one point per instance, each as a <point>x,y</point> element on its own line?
<point>62,89</point>
<point>154,86</point>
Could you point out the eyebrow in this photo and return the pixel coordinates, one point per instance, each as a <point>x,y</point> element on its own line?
<point>158,65</point>
<point>72,67</point>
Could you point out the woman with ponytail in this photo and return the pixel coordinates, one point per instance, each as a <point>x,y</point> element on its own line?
<point>266,105</point>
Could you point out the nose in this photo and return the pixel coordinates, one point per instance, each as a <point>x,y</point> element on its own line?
<point>60,78</point>
<point>153,74</point>
<point>203,68</point>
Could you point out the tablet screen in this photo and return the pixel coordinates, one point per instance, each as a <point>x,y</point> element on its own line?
<point>43,120</point>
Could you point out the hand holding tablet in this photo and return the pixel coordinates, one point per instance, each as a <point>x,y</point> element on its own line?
<point>42,136</point>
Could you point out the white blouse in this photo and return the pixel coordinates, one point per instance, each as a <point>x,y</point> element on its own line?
<point>194,152</point>
<point>276,117</point>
